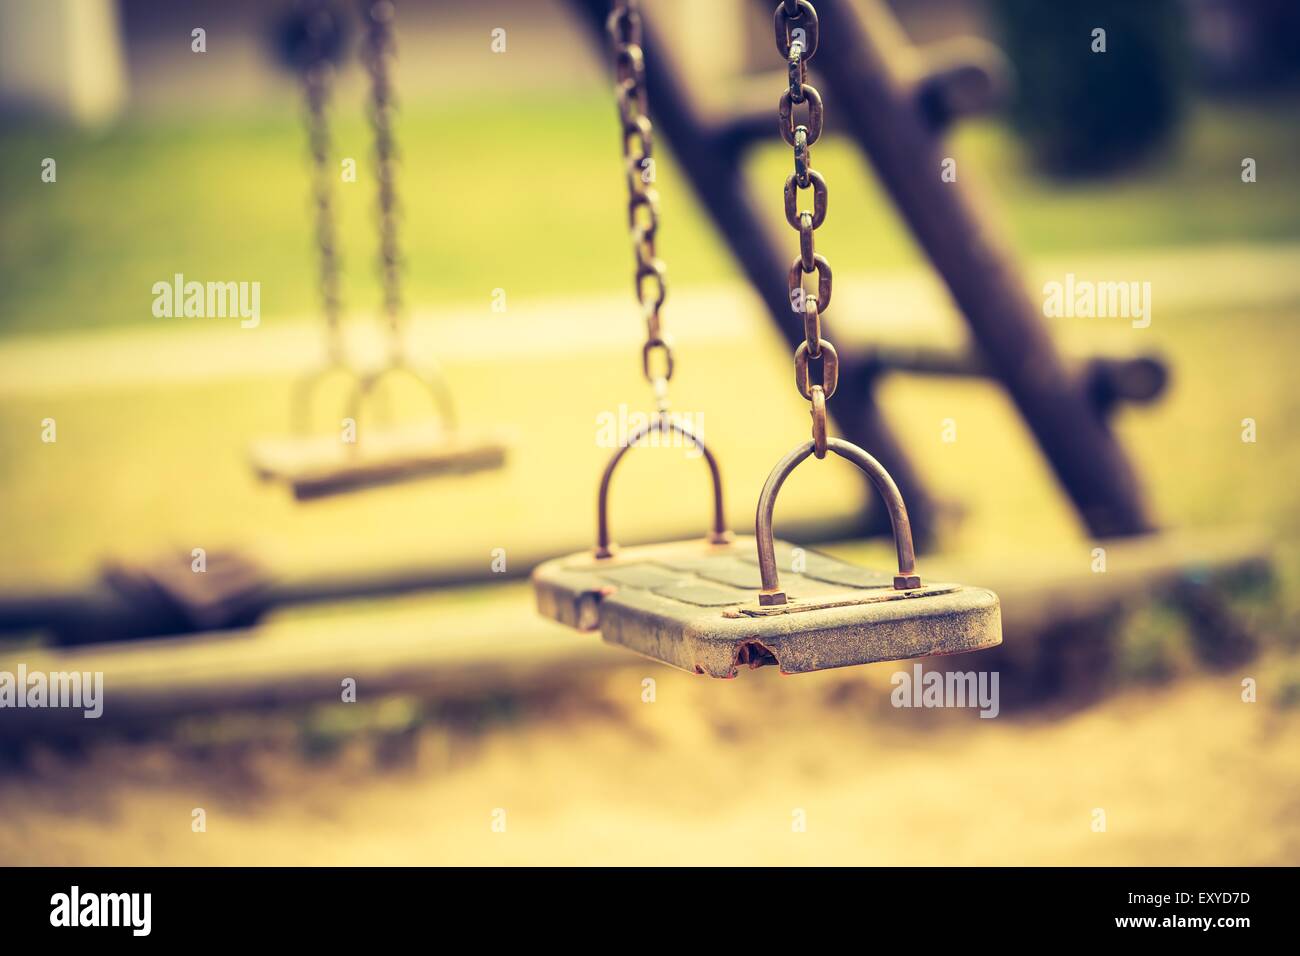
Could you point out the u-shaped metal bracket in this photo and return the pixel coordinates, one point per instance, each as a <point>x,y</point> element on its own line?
<point>904,580</point>
<point>432,382</point>
<point>662,422</point>
<point>362,388</point>
<point>300,401</point>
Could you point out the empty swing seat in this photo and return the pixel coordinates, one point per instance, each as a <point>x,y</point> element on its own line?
<point>318,465</point>
<point>314,466</point>
<point>710,605</point>
<point>695,605</point>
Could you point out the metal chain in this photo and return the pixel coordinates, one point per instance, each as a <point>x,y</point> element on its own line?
<point>319,33</point>
<point>377,51</point>
<point>796,41</point>
<point>637,134</point>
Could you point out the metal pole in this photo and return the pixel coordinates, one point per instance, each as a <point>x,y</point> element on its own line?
<point>864,72</point>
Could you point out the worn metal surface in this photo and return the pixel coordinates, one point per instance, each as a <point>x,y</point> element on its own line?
<point>694,605</point>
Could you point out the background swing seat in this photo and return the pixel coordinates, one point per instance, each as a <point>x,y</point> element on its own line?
<point>315,466</point>
<point>319,465</point>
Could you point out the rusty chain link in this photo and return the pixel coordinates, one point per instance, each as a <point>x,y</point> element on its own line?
<point>377,52</point>
<point>796,30</point>
<point>315,38</point>
<point>637,134</point>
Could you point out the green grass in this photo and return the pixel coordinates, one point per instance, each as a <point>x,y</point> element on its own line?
<point>527,196</point>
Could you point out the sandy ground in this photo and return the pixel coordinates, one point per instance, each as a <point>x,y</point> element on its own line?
<point>706,773</point>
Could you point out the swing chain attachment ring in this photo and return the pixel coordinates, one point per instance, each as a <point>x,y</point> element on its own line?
<point>905,580</point>
<point>818,413</point>
<point>658,377</point>
<point>661,424</point>
<point>796,41</point>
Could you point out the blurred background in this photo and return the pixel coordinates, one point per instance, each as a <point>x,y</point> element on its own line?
<point>517,277</point>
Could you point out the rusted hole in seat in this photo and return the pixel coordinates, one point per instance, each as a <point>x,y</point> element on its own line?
<point>755,654</point>
<point>588,612</point>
